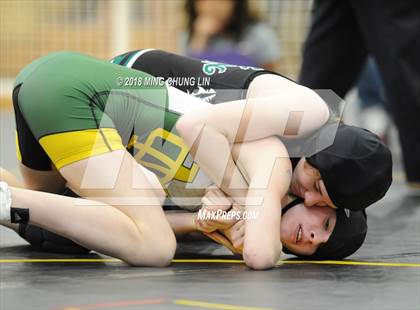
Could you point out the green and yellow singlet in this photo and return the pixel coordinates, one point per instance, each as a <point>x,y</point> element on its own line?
<point>70,107</point>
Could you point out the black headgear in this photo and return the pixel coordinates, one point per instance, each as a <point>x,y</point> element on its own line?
<point>356,168</point>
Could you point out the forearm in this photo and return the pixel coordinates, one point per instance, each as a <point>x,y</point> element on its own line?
<point>269,182</point>
<point>210,131</point>
<point>181,222</point>
<point>292,113</point>
<point>262,245</point>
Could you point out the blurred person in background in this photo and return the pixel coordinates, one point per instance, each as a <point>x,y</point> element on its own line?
<point>372,100</point>
<point>341,35</point>
<point>226,31</point>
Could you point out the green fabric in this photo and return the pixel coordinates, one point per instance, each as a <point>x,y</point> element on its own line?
<point>68,91</point>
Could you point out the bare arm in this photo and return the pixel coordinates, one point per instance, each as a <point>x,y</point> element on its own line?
<point>269,171</point>
<point>181,222</point>
<point>211,130</point>
<point>289,112</point>
<point>265,165</point>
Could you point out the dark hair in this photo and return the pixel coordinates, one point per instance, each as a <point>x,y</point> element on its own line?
<point>240,19</point>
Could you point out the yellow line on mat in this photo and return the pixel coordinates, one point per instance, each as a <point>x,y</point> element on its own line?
<point>216,261</point>
<point>211,305</point>
<point>354,263</point>
<point>207,261</point>
<point>61,260</point>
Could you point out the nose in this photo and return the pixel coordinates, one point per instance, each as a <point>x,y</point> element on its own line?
<point>318,236</point>
<point>312,198</point>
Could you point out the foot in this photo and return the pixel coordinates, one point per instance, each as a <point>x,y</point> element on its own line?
<point>5,202</point>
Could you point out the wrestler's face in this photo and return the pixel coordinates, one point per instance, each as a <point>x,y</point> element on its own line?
<point>304,228</point>
<point>307,184</point>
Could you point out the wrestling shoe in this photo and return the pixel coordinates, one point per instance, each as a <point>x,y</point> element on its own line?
<point>5,202</point>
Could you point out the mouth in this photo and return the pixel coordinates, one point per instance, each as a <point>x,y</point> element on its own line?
<point>298,234</point>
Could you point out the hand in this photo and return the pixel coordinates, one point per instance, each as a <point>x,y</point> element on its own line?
<point>232,237</point>
<point>214,203</point>
<point>219,238</point>
<point>236,235</point>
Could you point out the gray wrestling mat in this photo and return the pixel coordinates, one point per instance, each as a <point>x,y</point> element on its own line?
<point>384,274</point>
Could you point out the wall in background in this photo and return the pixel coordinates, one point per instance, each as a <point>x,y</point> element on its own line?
<point>32,28</point>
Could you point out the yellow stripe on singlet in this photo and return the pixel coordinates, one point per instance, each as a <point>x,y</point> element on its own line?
<point>18,153</point>
<point>68,147</point>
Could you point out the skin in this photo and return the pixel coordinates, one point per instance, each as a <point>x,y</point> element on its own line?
<point>124,200</point>
<point>317,225</point>
<point>317,222</point>
<point>307,183</point>
<point>221,10</point>
<point>243,171</point>
<point>212,17</point>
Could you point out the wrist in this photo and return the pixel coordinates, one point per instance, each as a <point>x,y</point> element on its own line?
<point>193,221</point>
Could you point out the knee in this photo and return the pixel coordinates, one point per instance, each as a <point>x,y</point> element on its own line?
<point>156,252</point>
<point>162,251</point>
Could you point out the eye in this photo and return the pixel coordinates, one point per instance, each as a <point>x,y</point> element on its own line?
<point>318,188</point>
<point>327,224</point>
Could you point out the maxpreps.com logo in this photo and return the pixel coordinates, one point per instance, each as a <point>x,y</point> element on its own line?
<point>211,67</point>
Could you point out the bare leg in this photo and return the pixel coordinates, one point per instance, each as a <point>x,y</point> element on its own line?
<point>129,232</point>
<point>46,181</point>
<point>9,178</point>
<point>115,179</point>
<point>92,224</point>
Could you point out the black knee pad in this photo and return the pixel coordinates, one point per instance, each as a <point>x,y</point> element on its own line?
<point>47,241</point>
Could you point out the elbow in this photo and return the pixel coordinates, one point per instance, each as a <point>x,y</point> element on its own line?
<point>320,108</point>
<point>260,259</point>
<point>316,113</point>
<point>190,127</point>
<point>183,124</point>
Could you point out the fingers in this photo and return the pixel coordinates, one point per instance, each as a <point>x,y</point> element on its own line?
<point>215,204</point>
<point>204,225</point>
<point>219,238</point>
<point>211,220</point>
<point>236,234</point>
<point>215,199</point>
<point>239,208</point>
